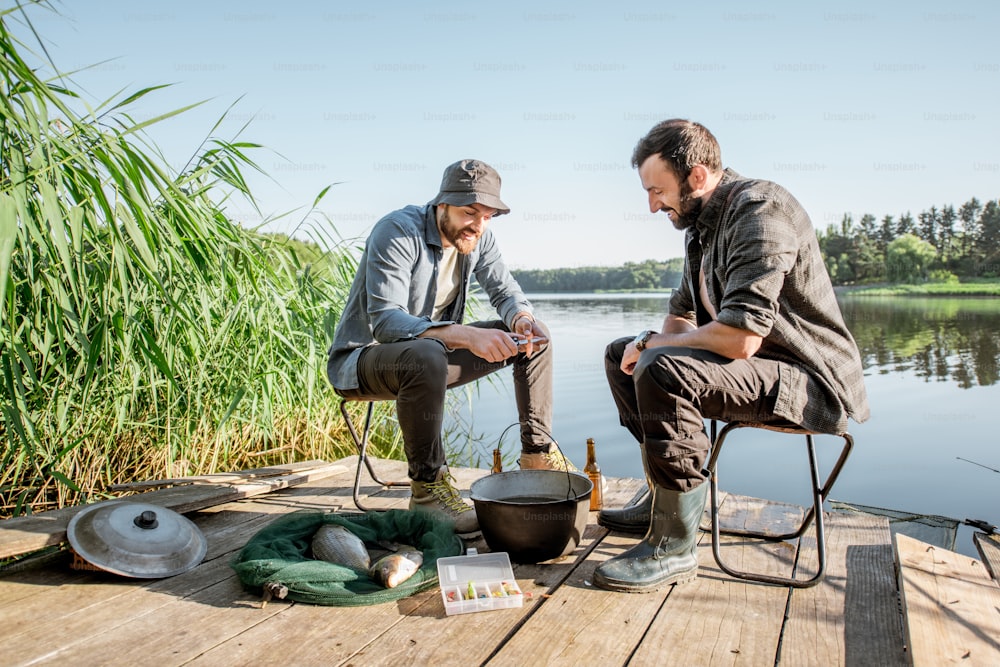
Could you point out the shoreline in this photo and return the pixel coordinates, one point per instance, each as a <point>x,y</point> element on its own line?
<point>985,288</point>
<point>990,288</point>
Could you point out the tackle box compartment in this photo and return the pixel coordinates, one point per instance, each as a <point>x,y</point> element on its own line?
<point>478,582</point>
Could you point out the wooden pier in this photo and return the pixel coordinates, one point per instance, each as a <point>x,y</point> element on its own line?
<point>883,601</point>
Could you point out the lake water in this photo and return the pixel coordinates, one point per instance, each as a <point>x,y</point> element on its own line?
<point>932,370</point>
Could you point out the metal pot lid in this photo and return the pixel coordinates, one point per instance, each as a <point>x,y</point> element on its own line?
<point>136,539</point>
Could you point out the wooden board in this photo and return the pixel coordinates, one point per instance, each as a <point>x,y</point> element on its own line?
<point>220,478</point>
<point>53,616</point>
<point>989,549</point>
<point>717,620</point>
<point>226,528</point>
<point>23,535</point>
<point>99,617</point>
<point>950,604</point>
<point>743,513</point>
<point>428,636</point>
<point>581,624</point>
<point>852,616</point>
<point>588,622</point>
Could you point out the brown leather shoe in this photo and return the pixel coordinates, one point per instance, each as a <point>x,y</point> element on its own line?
<point>546,461</point>
<point>442,499</point>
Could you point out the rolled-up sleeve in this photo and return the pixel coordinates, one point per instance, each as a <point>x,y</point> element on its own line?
<point>762,250</point>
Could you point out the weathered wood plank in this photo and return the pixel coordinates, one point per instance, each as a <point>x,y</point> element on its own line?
<point>609,627</point>
<point>133,607</point>
<point>376,635</point>
<point>225,528</point>
<point>717,620</point>
<point>950,604</point>
<point>581,624</point>
<point>48,599</point>
<point>302,634</point>
<point>738,512</point>
<point>422,638</point>
<point>851,617</point>
<point>207,635</point>
<point>430,637</point>
<point>198,610</point>
<point>23,535</point>
<point>54,615</point>
<point>221,477</point>
<point>592,625</point>
<point>96,606</point>
<point>989,548</point>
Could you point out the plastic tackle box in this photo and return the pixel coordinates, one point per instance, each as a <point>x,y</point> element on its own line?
<point>478,582</point>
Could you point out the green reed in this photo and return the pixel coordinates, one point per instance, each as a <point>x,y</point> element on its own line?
<point>142,333</point>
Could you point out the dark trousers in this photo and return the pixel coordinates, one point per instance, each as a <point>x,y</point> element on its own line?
<point>416,374</point>
<point>666,400</point>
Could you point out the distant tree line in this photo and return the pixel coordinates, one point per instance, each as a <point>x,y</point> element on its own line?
<point>650,274</point>
<point>938,245</point>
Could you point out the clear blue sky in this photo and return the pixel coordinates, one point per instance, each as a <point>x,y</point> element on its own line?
<point>853,106</point>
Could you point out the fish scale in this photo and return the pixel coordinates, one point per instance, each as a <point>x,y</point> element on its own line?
<point>336,544</point>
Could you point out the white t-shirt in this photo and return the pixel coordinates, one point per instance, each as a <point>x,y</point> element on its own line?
<point>448,281</point>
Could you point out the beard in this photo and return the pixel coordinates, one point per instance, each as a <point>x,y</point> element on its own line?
<point>690,208</point>
<point>455,234</point>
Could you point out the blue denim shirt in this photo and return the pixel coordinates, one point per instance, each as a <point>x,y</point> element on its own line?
<point>393,293</point>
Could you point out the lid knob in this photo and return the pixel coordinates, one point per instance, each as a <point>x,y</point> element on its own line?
<point>146,520</point>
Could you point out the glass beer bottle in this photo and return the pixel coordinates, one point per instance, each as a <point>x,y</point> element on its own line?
<point>594,473</point>
<point>497,461</point>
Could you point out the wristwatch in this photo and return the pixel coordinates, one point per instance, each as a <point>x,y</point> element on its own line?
<point>643,338</point>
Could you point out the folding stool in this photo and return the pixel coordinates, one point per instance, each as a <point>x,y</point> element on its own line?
<point>362,444</point>
<point>814,514</point>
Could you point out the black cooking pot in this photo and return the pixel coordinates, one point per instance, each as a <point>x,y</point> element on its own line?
<point>533,515</point>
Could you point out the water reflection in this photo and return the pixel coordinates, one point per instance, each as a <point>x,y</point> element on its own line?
<point>939,339</point>
<point>610,303</point>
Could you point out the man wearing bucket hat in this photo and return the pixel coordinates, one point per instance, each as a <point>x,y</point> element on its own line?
<point>754,332</point>
<point>401,335</point>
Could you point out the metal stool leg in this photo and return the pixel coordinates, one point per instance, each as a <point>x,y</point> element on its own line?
<point>814,514</point>
<point>362,444</point>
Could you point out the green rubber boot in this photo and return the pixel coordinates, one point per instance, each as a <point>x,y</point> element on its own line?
<point>668,553</point>
<point>634,516</point>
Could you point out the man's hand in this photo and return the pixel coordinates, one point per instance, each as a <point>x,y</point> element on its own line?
<point>722,339</point>
<point>630,358</point>
<point>527,328</point>
<point>493,345</point>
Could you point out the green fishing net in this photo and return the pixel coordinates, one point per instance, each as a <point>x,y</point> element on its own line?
<point>281,554</point>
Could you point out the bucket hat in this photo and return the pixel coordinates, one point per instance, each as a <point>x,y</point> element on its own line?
<point>471,182</point>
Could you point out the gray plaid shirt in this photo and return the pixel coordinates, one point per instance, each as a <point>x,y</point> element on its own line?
<point>764,273</point>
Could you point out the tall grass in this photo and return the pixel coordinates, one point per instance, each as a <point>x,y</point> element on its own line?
<point>142,333</point>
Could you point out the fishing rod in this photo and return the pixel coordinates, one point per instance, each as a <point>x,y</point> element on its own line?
<point>977,464</point>
<point>987,528</point>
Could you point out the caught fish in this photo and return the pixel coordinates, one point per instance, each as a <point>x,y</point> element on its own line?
<point>389,546</point>
<point>336,544</point>
<point>392,570</point>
